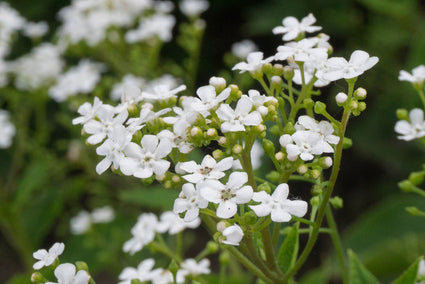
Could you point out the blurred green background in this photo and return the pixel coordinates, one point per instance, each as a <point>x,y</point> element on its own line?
<point>373,220</point>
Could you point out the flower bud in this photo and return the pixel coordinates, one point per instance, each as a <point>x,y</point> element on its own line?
<point>347,143</point>
<point>302,169</point>
<point>260,128</point>
<point>224,257</point>
<point>288,73</point>
<point>341,98</point>
<point>218,154</point>
<point>279,156</point>
<point>37,277</point>
<point>222,140</point>
<point>278,69</point>
<point>319,107</point>
<point>360,93</point>
<point>315,174</point>
<point>362,106</point>
<point>168,184</point>
<point>173,267</point>
<point>273,176</point>
<point>276,81</point>
<point>221,226</point>
<point>249,218</point>
<point>308,103</point>
<point>354,105</point>
<point>267,68</point>
<point>212,132</point>
<point>406,186</point>
<point>417,178</point>
<point>81,265</point>
<point>218,83</point>
<point>337,202</point>
<point>325,162</point>
<point>268,147</point>
<point>289,128</point>
<point>212,247</point>
<point>316,190</point>
<point>237,149</point>
<point>265,187</point>
<point>415,211</point>
<point>290,60</point>
<point>176,179</point>
<point>315,201</point>
<point>234,91</point>
<point>402,114</point>
<point>275,130</point>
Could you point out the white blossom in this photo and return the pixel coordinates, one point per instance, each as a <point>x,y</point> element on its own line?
<point>207,170</point>
<point>323,128</point>
<point>417,76</point>
<point>66,273</point>
<point>172,223</point>
<point>46,258</point>
<point>259,100</point>
<point>190,201</point>
<point>158,25</point>
<point>254,63</point>
<point>81,223</point>
<point>415,128</point>
<point>228,196</point>
<point>307,144</point>
<point>162,93</point>
<point>278,205</point>
<point>236,120</point>
<point>184,117</point>
<point>35,30</point>
<point>303,50</point>
<point>177,141</point>
<point>10,22</point>
<point>191,267</point>
<point>7,130</point>
<point>144,272</point>
<point>193,8</point>
<point>143,233</point>
<point>125,90</point>
<point>233,234</point>
<point>209,99</point>
<point>243,48</point>
<point>88,111</point>
<point>292,28</point>
<point>102,214</point>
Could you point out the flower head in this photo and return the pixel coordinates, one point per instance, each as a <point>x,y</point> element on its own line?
<point>254,63</point>
<point>292,27</point>
<point>413,129</point>
<point>46,258</point>
<point>143,233</point>
<point>66,274</point>
<point>417,76</point>
<point>233,234</point>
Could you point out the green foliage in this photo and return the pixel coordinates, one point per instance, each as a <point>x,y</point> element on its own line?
<point>289,250</point>
<point>409,276</point>
<point>155,197</point>
<point>358,272</point>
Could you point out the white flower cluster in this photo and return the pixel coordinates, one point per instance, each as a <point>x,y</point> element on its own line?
<point>7,130</point>
<point>311,54</point>
<point>148,225</point>
<point>413,129</point>
<point>91,20</point>
<point>311,138</point>
<point>145,272</point>
<point>82,222</point>
<point>66,273</point>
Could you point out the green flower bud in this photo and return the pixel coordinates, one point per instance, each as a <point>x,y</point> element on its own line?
<point>279,156</point>
<point>173,267</point>
<point>268,147</point>
<point>212,247</point>
<point>319,107</point>
<point>316,190</point>
<point>278,69</point>
<point>406,186</point>
<point>276,82</point>
<point>249,218</point>
<point>268,69</point>
<point>302,169</point>
<point>308,103</point>
<point>289,128</point>
<point>81,265</point>
<point>218,154</point>
<point>325,162</point>
<point>414,211</point>
<point>288,73</point>
<point>275,130</point>
<point>360,93</point>
<point>168,184</point>
<point>353,105</point>
<point>337,202</point>
<point>347,143</point>
<point>234,91</point>
<point>237,149</point>
<point>402,114</point>
<point>362,106</point>
<point>315,174</point>
<point>273,176</point>
<point>212,133</point>
<point>196,132</point>
<point>265,187</point>
<point>224,257</point>
<point>37,277</point>
<point>417,178</point>
<point>315,201</point>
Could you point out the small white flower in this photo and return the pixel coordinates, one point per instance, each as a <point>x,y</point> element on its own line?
<point>128,94</point>
<point>143,162</point>
<point>81,223</point>
<point>158,25</point>
<point>208,169</point>
<point>209,99</point>
<point>144,272</point>
<point>191,267</point>
<point>417,76</point>
<point>193,8</point>
<point>228,196</point>
<point>189,201</point>
<point>259,100</point>
<point>278,205</point>
<point>341,98</point>
<point>292,27</point>
<point>236,120</point>
<point>339,68</point>
<point>66,273</point>
<point>413,129</point>
<point>47,258</point>
<point>35,30</point>
<point>323,128</point>
<point>172,223</point>
<point>143,233</point>
<point>307,144</point>
<point>302,51</point>
<point>243,48</point>
<point>254,63</point>
<point>102,215</point>
<point>7,130</point>
<point>88,111</point>
<point>184,117</point>
<point>177,141</point>
<point>162,93</point>
<point>233,234</point>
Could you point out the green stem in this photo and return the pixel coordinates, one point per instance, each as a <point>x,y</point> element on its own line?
<point>276,233</point>
<point>246,161</point>
<point>337,243</point>
<point>327,194</point>
<point>253,253</point>
<point>268,248</point>
<point>422,96</point>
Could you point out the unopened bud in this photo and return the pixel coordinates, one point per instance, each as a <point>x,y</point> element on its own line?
<point>250,218</point>
<point>354,105</point>
<point>315,174</point>
<point>276,80</point>
<point>316,190</point>
<point>278,69</point>
<point>275,130</point>
<point>362,106</point>
<point>288,72</point>
<point>224,257</point>
<point>237,149</point>
<point>406,186</point>
<point>81,265</point>
<point>279,156</point>
<point>260,128</point>
<point>234,91</point>
<point>326,162</point>
<point>173,267</point>
<point>360,93</point>
<point>336,202</point>
<point>417,178</point>
<point>267,68</point>
<point>308,103</point>
<point>37,277</point>
<point>302,169</point>
<point>218,83</point>
<point>212,132</point>
<point>222,140</point>
<point>268,147</point>
<point>315,201</point>
<point>402,114</point>
<point>176,179</point>
<point>289,128</point>
<point>218,154</point>
<point>265,187</point>
<point>347,143</point>
<point>196,131</point>
<point>273,176</point>
<point>221,226</point>
<point>341,98</point>
<point>319,107</point>
<point>415,211</point>
<point>212,247</point>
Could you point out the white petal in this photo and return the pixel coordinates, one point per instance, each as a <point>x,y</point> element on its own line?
<point>226,209</point>
<point>149,143</point>
<point>65,273</point>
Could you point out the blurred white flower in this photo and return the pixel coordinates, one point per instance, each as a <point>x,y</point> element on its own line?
<point>243,48</point>
<point>254,63</point>
<point>193,8</point>
<point>158,25</point>
<point>415,128</point>
<point>7,130</point>
<point>190,201</point>
<point>292,28</point>
<point>102,214</point>
<point>172,223</point>
<point>417,76</point>
<point>144,272</point>
<point>143,233</point>
<point>66,273</point>
<point>119,89</point>
<point>81,223</point>
<point>35,30</point>
<point>191,267</point>
<point>46,258</point>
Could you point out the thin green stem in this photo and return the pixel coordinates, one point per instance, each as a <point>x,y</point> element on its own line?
<point>337,243</point>
<point>276,233</point>
<point>253,253</point>
<point>422,96</point>
<point>246,161</point>
<point>269,250</point>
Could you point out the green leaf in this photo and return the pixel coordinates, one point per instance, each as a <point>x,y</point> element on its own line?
<point>289,250</point>
<point>155,197</point>
<point>358,273</point>
<point>409,276</point>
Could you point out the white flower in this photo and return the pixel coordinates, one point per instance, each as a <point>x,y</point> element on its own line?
<point>339,68</point>
<point>176,140</point>
<point>235,120</point>
<point>233,234</point>
<point>172,223</point>
<point>102,214</point>
<point>144,272</point>
<point>143,233</point>
<point>146,115</point>
<point>143,162</point>
<point>7,130</point>
<point>243,48</point>
<point>323,128</point>
<point>228,196</point>
<point>47,258</point>
<point>413,129</point>
<point>119,90</point>
<point>303,50</point>
<point>209,99</point>
<point>88,111</point>
<point>278,205</point>
<point>208,169</point>
<point>81,79</point>
<point>35,30</point>
<point>417,76</point>
<point>81,223</point>
<point>158,25</point>
<point>292,27</point>
<point>162,93</point>
<point>193,8</point>
<point>307,144</point>
<point>259,100</point>
<point>191,267</point>
<point>66,274</point>
<point>254,63</point>
<point>184,117</point>
<point>166,277</point>
<point>189,201</point>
